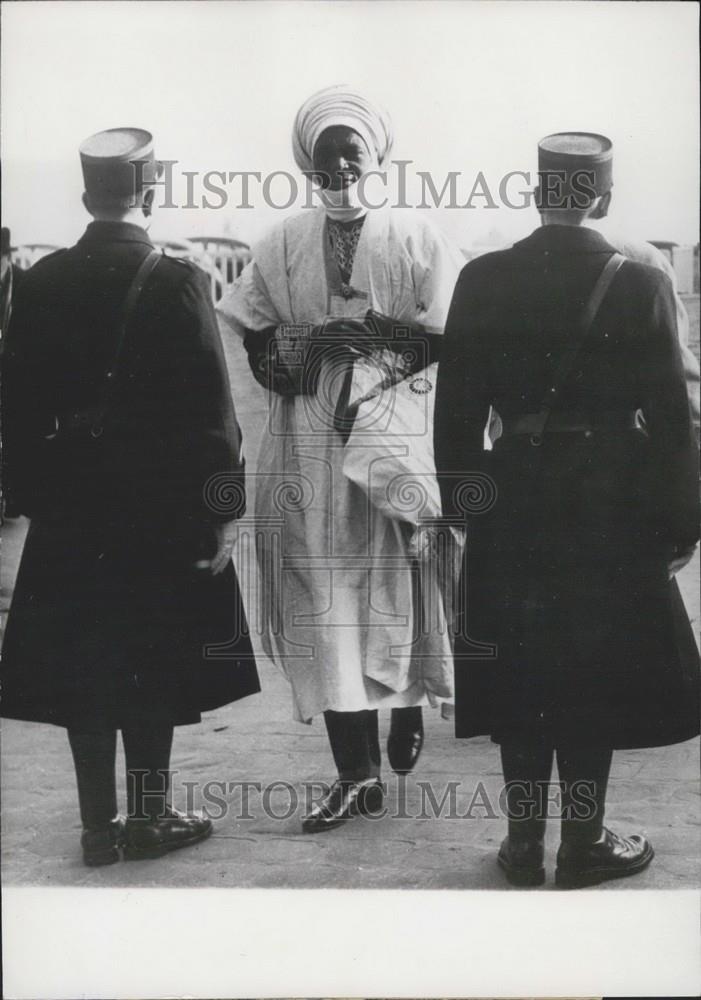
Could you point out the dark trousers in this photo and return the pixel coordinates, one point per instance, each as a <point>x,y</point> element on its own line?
<point>147,751</point>
<point>583,771</point>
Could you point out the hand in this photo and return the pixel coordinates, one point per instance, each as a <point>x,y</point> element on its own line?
<point>422,542</point>
<point>680,560</point>
<point>278,380</point>
<point>226,536</point>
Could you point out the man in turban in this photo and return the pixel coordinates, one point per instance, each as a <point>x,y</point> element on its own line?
<point>342,608</point>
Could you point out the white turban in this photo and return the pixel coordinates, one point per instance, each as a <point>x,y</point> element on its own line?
<point>339,105</point>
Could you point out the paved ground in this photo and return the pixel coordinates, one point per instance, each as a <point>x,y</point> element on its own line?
<point>255,740</point>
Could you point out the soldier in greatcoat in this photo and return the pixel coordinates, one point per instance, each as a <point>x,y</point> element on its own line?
<point>573,639</point>
<point>127,613</point>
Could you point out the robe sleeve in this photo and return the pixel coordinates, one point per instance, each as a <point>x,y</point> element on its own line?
<point>247,304</point>
<point>435,269</point>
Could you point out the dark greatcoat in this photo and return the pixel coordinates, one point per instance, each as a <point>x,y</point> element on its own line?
<point>14,276</point>
<point>111,616</point>
<point>566,573</point>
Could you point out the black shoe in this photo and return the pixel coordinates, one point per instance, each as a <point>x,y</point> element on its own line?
<point>344,800</point>
<point>404,745</point>
<point>152,838</point>
<point>101,847</point>
<point>522,861</point>
<point>611,856</point>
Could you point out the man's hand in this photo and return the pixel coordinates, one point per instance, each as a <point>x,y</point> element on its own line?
<point>681,558</point>
<point>226,536</point>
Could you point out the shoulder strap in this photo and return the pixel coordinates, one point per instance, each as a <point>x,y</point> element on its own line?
<point>603,282</point>
<point>135,289</point>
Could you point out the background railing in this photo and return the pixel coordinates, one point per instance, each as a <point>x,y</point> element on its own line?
<point>223,258</point>
<point>29,253</point>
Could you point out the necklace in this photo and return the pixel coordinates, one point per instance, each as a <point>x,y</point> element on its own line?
<point>344,243</point>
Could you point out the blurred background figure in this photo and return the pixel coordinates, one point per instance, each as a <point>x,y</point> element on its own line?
<point>11,276</point>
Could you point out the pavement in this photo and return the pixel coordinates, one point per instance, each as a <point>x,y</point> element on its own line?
<point>654,791</point>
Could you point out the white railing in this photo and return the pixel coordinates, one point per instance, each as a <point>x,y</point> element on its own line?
<point>223,258</point>
<point>29,253</point>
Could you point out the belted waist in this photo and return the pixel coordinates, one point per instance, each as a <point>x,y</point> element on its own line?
<point>572,422</point>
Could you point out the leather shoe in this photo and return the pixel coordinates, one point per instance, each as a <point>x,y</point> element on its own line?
<point>152,838</point>
<point>101,847</point>
<point>611,856</point>
<point>344,800</point>
<point>404,746</point>
<point>522,861</point>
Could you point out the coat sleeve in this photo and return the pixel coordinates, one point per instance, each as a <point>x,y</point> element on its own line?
<point>202,442</point>
<point>671,476</point>
<point>646,253</point>
<point>462,395</point>
<point>689,362</point>
<point>27,399</point>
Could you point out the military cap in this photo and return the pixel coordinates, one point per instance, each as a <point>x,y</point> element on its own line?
<point>118,162</point>
<point>582,160</point>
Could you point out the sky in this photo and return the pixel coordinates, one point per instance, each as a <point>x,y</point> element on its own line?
<point>471,86</point>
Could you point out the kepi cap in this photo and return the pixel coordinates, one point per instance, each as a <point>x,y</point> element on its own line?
<point>584,160</point>
<point>118,162</point>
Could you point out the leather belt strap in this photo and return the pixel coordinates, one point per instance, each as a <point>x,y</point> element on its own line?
<point>567,361</point>
<point>571,423</point>
<point>94,417</point>
<point>135,289</point>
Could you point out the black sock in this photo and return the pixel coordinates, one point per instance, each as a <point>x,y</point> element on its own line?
<point>373,738</point>
<point>349,736</point>
<point>94,755</point>
<point>527,766</point>
<point>407,720</point>
<point>147,751</point>
<point>584,773</point>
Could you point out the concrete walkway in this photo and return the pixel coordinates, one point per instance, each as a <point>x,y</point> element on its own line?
<point>256,741</point>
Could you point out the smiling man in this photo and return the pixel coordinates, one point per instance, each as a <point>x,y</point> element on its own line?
<point>341,607</point>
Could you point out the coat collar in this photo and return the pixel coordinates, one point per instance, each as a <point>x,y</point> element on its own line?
<point>565,239</point>
<point>115,232</point>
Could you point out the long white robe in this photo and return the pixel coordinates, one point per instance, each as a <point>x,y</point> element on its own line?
<point>337,577</point>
